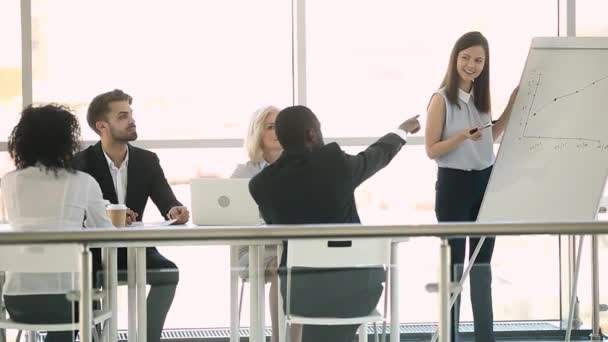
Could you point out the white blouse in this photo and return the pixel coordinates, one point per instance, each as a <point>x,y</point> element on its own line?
<point>37,199</point>
<point>468,155</point>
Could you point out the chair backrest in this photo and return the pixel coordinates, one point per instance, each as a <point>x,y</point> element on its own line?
<point>336,253</point>
<point>40,258</point>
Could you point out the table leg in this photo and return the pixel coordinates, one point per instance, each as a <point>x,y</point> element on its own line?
<point>234,294</point>
<point>256,278</point>
<point>86,297</point>
<point>140,269</point>
<point>132,296</point>
<point>394,293</point>
<point>111,288</point>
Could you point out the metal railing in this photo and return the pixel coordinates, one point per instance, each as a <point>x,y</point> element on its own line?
<point>273,234</point>
<point>233,235</point>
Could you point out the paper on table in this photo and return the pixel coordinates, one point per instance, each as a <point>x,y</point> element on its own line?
<point>153,224</point>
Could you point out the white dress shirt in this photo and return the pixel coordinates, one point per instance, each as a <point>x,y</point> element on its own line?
<point>119,177</point>
<point>37,199</point>
<point>401,133</point>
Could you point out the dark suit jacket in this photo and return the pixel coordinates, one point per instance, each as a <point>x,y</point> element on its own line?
<point>308,187</point>
<point>145,179</point>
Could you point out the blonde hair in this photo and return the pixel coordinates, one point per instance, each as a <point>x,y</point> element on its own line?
<point>253,140</point>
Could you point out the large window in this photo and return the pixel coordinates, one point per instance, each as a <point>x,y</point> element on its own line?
<point>374,63</point>
<point>10,79</point>
<point>591,18</point>
<point>10,66</point>
<point>196,69</point>
<point>591,22</point>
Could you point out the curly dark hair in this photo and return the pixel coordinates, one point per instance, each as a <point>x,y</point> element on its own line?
<point>48,136</point>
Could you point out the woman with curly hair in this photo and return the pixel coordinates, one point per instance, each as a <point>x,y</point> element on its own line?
<point>44,192</point>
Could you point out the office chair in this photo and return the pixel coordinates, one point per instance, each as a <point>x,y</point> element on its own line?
<point>49,259</point>
<point>327,253</point>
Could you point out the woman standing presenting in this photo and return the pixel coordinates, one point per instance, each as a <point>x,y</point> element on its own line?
<point>459,138</point>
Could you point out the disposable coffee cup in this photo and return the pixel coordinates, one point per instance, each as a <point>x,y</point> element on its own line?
<point>117,214</point>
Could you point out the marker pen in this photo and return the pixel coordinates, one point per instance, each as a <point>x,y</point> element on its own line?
<point>489,124</point>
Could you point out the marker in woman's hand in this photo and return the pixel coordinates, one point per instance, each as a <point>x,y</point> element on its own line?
<point>489,124</point>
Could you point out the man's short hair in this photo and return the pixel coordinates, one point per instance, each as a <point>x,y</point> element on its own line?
<point>100,106</point>
<point>291,126</point>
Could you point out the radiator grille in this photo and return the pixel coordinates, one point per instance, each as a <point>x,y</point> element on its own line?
<point>423,328</point>
<point>210,334</point>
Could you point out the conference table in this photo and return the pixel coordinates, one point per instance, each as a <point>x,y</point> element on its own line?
<point>136,275</point>
<point>136,280</point>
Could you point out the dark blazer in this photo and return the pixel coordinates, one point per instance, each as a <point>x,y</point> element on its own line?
<point>145,179</point>
<point>308,187</point>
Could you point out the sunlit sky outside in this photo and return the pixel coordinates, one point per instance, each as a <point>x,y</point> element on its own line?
<point>197,69</point>
<point>10,66</point>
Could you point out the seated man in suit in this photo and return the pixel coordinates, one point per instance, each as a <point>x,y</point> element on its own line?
<point>130,175</point>
<point>314,183</point>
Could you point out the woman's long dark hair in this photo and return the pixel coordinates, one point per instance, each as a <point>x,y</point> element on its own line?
<point>481,86</point>
<point>47,136</point>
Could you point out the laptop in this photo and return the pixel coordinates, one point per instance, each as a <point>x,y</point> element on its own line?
<point>223,202</point>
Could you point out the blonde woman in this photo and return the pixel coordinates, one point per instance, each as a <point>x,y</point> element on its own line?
<point>261,143</point>
<point>263,148</point>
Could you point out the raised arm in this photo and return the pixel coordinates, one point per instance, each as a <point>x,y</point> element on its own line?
<point>380,153</point>
<point>374,158</point>
<point>500,126</point>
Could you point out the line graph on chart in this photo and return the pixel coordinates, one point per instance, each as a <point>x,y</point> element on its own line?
<point>561,106</point>
<point>553,158</point>
<point>565,105</point>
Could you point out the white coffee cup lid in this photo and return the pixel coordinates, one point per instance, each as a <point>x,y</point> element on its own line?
<point>116,207</point>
